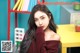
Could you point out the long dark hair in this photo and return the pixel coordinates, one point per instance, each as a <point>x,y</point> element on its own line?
<point>30,34</point>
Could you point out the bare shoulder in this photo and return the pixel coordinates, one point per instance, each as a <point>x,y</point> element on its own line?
<point>51,36</point>
<point>55,36</point>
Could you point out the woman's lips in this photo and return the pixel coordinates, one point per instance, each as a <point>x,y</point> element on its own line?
<point>42,26</point>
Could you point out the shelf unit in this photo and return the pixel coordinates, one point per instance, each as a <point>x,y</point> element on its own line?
<point>15,11</point>
<point>70,15</point>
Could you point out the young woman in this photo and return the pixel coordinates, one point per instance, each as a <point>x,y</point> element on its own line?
<point>41,36</point>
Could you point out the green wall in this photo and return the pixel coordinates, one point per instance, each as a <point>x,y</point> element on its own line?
<point>3,21</point>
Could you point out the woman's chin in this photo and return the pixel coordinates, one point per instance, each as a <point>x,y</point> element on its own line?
<point>44,28</point>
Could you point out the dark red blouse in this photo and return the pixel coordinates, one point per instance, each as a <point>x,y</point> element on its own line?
<point>39,45</point>
<point>48,47</point>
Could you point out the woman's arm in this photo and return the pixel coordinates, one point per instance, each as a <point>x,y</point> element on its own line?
<point>39,38</point>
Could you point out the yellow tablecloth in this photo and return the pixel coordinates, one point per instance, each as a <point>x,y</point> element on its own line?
<point>69,37</point>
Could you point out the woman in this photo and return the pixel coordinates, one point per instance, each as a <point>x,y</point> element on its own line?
<point>41,36</point>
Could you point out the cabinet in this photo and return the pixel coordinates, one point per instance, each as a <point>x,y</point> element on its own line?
<point>69,15</point>
<point>16,12</point>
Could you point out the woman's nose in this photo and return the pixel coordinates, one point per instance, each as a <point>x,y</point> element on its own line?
<point>40,23</point>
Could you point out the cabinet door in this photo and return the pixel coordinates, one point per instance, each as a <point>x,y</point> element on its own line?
<point>74,17</point>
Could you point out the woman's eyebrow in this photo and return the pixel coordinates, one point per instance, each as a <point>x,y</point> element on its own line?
<point>42,16</point>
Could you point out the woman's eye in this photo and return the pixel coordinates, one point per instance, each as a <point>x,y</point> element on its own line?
<point>42,17</point>
<point>35,19</point>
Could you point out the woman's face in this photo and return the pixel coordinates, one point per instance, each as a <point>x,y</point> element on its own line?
<point>41,19</point>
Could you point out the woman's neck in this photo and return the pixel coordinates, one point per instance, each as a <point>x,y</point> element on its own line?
<point>47,29</point>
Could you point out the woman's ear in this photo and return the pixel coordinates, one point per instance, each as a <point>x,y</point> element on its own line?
<point>49,18</point>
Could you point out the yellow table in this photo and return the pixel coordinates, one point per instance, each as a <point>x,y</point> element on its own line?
<point>69,38</point>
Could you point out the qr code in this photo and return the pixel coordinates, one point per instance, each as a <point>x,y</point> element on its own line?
<point>6,46</point>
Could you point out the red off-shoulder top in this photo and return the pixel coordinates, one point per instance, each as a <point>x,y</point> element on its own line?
<point>41,46</point>
<point>48,47</point>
